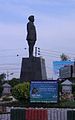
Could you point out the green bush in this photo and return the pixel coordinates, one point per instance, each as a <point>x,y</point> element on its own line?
<point>14,82</point>
<point>21,91</point>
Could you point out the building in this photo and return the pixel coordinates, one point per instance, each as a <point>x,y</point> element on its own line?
<point>6,89</point>
<point>66,72</point>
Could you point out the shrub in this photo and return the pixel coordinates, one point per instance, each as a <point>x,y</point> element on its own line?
<point>21,91</point>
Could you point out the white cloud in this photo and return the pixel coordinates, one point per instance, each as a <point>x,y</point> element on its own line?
<point>49,2</point>
<point>18,11</point>
<point>12,36</point>
<point>56,33</point>
<point>8,29</point>
<point>50,30</point>
<point>28,6</point>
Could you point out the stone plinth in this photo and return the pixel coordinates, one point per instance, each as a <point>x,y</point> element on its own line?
<point>33,69</point>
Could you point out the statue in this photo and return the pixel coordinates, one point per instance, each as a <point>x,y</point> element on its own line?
<point>31,35</point>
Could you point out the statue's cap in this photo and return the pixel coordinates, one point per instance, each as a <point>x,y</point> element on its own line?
<point>31,17</point>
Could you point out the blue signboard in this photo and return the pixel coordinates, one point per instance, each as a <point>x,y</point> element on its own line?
<point>44,91</point>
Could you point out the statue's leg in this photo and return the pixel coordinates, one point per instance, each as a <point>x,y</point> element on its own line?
<point>29,44</point>
<point>31,48</point>
<point>33,43</point>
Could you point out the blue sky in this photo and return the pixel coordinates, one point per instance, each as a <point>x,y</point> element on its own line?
<point>54,20</point>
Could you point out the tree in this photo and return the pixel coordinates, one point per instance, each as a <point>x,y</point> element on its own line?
<point>73,88</point>
<point>2,77</point>
<point>14,81</point>
<point>1,89</point>
<point>21,91</point>
<point>64,57</point>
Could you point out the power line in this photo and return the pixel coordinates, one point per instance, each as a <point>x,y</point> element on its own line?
<point>48,50</point>
<point>40,51</point>
<point>57,52</point>
<point>9,64</point>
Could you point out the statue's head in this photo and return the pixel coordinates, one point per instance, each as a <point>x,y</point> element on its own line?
<point>31,18</point>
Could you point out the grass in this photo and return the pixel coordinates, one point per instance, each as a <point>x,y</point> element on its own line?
<point>67,104</point>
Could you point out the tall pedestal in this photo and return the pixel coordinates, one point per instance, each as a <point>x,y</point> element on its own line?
<point>33,69</point>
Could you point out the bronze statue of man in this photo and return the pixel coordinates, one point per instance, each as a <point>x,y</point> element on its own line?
<point>31,35</point>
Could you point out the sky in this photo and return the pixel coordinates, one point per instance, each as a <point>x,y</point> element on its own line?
<point>55,25</point>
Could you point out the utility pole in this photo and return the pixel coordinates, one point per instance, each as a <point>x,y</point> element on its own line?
<point>35,51</point>
<point>7,75</point>
<point>38,51</point>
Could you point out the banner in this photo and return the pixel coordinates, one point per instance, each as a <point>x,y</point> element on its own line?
<point>44,91</point>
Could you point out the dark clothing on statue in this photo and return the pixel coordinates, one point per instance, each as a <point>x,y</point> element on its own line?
<point>31,32</point>
<point>31,46</point>
<point>31,36</point>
